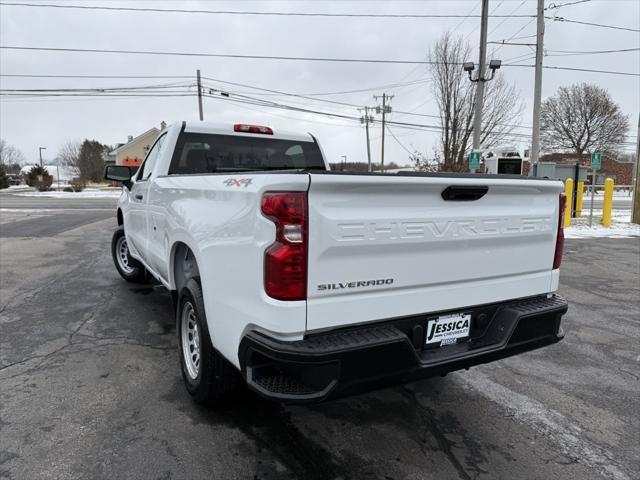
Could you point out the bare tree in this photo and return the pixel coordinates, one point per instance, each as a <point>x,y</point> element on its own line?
<point>69,153</point>
<point>10,155</point>
<point>582,118</point>
<point>455,96</point>
<point>424,163</point>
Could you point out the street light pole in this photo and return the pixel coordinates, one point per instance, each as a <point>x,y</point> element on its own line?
<point>477,119</point>
<point>537,92</point>
<point>474,158</point>
<point>41,148</point>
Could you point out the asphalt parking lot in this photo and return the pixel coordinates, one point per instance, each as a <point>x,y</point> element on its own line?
<point>90,385</point>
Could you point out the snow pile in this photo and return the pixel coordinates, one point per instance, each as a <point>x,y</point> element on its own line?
<point>67,173</point>
<point>86,193</point>
<point>621,226</point>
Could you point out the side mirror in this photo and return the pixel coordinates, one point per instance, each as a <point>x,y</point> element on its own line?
<point>118,173</point>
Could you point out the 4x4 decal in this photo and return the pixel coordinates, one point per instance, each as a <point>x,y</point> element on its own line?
<point>238,182</point>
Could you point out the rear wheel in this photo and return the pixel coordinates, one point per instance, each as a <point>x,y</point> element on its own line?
<point>208,376</point>
<point>128,268</point>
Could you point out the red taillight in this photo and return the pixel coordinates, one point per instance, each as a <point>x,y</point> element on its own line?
<point>285,261</point>
<point>240,127</point>
<point>557,258</point>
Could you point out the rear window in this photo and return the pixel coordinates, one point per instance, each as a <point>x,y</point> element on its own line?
<point>208,153</point>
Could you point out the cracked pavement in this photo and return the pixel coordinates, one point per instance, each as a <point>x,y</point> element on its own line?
<point>90,385</point>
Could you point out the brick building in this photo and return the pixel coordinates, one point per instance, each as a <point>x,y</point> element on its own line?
<point>621,172</point>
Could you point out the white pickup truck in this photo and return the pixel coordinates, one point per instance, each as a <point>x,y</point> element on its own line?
<point>309,284</point>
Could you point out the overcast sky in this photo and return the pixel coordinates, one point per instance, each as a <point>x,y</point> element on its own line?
<point>30,123</point>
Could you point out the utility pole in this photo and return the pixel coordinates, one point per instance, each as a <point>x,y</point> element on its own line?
<point>41,148</point>
<point>537,92</point>
<point>476,154</point>
<point>635,213</point>
<point>477,119</point>
<point>366,119</point>
<point>199,94</point>
<point>385,109</point>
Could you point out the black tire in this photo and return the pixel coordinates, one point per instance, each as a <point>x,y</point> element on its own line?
<point>216,380</point>
<point>133,271</point>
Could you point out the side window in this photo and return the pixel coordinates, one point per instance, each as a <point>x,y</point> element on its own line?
<point>151,160</point>
<point>294,156</point>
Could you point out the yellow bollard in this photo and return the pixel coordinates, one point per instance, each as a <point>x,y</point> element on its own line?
<point>568,190</point>
<point>608,202</point>
<point>579,198</point>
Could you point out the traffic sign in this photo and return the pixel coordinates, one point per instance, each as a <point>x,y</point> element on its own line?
<point>474,160</point>
<point>596,161</point>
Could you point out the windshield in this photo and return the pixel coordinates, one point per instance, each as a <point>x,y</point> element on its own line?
<point>210,153</point>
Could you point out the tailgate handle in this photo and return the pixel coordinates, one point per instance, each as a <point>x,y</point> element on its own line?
<point>464,193</point>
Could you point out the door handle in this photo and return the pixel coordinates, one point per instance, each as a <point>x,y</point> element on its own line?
<point>138,197</point>
<point>464,193</point>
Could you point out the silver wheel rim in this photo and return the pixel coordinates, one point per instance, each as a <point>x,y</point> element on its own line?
<point>190,340</point>
<point>122,255</point>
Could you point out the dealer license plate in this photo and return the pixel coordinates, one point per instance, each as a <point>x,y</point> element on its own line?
<point>448,329</point>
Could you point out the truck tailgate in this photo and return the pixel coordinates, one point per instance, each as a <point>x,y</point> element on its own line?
<point>383,247</point>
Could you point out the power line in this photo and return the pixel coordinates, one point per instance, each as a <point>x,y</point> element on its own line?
<point>566,53</point>
<point>247,100</point>
<point>480,16</point>
<point>237,12</point>
<point>95,98</point>
<point>397,112</point>
<point>258,102</point>
<point>571,69</point>
<point>82,93</point>
<point>221,55</point>
<point>343,92</point>
<point>24,75</point>
<point>274,57</point>
<point>45,95</point>
<point>514,35</point>
<point>310,14</point>
<point>99,89</point>
<point>106,89</point>
<point>521,58</point>
<point>504,20</point>
<point>369,89</point>
<point>241,99</point>
<point>307,97</point>
<point>513,38</point>
<point>466,16</point>
<point>614,27</point>
<point>555,6</point>
<point>280,93</point>
<point>399,142</point>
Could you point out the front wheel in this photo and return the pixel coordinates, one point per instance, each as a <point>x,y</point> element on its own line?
<point>128,268</point>
<point>208,376</point>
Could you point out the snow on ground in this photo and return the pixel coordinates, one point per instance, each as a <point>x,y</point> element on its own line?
<point>621,226</point>
<point>600,195</point>
<point>86,193</point>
